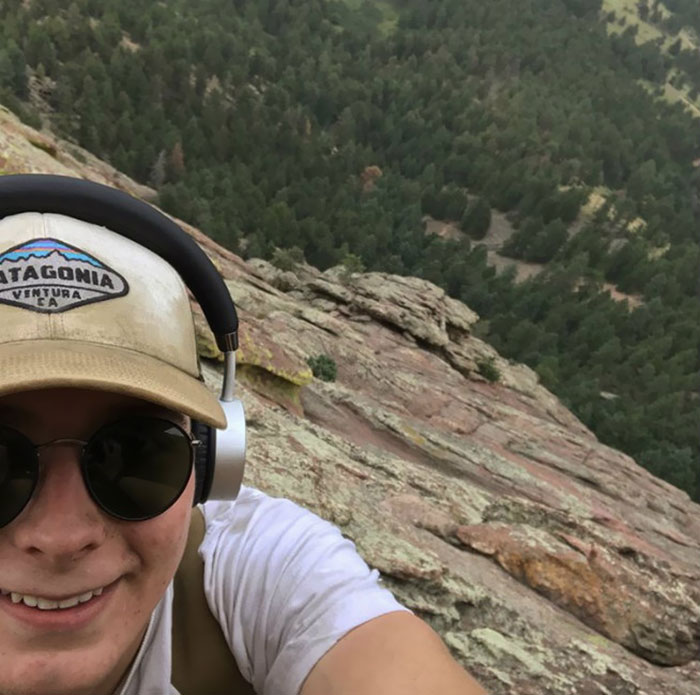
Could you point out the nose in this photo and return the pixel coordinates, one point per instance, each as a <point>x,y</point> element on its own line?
<point>61,523</point>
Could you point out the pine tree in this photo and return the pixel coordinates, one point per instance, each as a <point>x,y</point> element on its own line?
<point>477,218</point>
<point>175,164</point>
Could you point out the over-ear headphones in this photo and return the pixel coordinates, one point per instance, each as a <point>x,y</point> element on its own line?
<point>220,460</point>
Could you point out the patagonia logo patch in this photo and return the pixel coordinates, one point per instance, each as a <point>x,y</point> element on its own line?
<point>49,276</point>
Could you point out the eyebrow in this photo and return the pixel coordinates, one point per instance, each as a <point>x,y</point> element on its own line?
<point>156,411</point>
<point>16,414</point>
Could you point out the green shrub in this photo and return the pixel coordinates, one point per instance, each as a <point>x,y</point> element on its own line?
<point>353,264</point>
<point>323,367</point>
<point>287,259</point>
<point>77,155</point>
<point>488,369</point>
<point>25,112</point>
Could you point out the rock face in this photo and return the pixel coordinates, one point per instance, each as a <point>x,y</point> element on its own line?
<point>550,564</point>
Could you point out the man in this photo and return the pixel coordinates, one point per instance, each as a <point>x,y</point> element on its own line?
<point>98,391</point>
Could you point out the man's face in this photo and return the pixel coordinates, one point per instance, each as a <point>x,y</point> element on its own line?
<point>63,545</point>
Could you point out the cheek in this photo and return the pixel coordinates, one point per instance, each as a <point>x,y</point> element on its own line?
<point>160,542</point>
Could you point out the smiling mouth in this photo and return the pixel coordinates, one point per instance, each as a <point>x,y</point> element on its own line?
<point>46,604</point>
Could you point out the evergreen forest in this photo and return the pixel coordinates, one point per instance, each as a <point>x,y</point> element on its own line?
<point>339,129</point>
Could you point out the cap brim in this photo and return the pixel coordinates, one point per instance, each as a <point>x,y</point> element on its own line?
<point>36,364</point>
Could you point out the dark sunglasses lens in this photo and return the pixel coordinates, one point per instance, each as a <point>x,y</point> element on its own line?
<point>135,469</point>
<point>18,473</point>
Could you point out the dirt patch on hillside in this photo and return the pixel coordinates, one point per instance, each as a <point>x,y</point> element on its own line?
<point>445,230</point>
<point>499,232</point>
<point>523,270</point>
<point>129,45</point>
<point>634,300</point>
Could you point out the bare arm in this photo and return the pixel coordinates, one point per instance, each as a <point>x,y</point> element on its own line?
<point>395,654</point>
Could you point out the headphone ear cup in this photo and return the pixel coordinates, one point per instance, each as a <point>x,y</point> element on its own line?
<point>204,459</point>
<point>229,453</point>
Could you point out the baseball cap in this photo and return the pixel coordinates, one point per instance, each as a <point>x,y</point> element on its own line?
<point>83,306</point>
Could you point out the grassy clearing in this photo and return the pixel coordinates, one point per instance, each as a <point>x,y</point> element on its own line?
<point>673,94</point>
<point>595,201</point>
<point>646,31</point>
<point>628,10</point>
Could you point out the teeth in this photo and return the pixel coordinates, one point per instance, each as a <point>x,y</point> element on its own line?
<point>45,604</point>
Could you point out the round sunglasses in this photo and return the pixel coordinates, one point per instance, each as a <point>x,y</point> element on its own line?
<point>134,469</point>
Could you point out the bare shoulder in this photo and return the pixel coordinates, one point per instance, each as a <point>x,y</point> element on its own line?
<point>394,654</point>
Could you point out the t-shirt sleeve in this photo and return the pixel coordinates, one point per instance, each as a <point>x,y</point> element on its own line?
<point>285,586</point>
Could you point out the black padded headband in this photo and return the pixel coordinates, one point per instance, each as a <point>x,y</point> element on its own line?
<point>136,220</point>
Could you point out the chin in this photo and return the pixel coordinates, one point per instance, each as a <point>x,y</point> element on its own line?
<point>90,669</point>
<point>55,674</point>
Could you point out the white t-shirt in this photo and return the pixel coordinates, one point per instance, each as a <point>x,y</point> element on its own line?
<point>283,584</point>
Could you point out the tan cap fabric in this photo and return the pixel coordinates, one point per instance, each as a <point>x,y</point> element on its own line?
<point>82,306</point>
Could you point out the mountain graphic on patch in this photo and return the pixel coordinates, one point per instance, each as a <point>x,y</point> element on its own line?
<point>50,276</point>
<point>40,248</point>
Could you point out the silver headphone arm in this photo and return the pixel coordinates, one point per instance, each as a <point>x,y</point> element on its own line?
<point>228,387</point>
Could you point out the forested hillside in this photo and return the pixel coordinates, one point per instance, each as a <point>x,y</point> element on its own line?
<point>336,127</point>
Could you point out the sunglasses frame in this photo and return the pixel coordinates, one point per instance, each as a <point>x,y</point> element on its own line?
<point>37,449</point>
